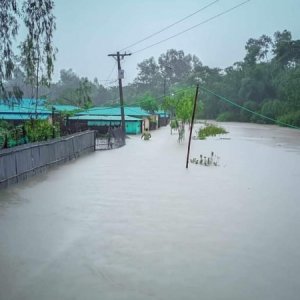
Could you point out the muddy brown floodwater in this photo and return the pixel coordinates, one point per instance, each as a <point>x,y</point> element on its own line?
<point>133,223</point>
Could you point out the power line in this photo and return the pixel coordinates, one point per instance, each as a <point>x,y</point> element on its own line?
<point>171,25</point>
<point>227,101</point>
<point>199,24</point>
<point>112,70</point>
<point>248,110</point>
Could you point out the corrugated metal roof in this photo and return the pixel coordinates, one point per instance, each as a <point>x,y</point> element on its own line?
<point>27,102</point>
<point>103,118</point>
<point>64,108</point>
<point>21,117</point>
<point>115,111</point>
<point>23,106</point>
<point>23,109</point>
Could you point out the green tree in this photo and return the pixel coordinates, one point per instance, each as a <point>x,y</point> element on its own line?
<point>9,13</point>
<point>148,103</point>
<point>273,109</point>
<point>175,65</point>
<point>83,93</point>
<point>257,49</point>
<point>37,51</point>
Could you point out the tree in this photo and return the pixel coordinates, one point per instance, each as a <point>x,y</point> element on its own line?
<point>37,50</point>
<point>175,65</point>
<point>257,49</point>
<point>289,88</point>
<point>184,107</point>
<point>180,105</point>
<point>148,71</point>
<point>8,31</point>
<point>83,93</point>
<point>148,103</point>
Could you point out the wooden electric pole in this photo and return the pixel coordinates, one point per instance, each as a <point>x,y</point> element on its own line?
<point>118,57</point>
<point>191,129</point>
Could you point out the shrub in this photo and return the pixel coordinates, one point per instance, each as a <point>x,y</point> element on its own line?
<point>210,130</point>
<point>273,109</point>
<point>292,118</point>
<point>40,130</point>
<point>5,125</point>
<point>246,116</point>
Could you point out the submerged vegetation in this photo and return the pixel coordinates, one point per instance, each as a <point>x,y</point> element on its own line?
<point>210,130</point>
<point>212,160</point>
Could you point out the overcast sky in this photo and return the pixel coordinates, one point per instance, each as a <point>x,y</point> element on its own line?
<point>88,30</point>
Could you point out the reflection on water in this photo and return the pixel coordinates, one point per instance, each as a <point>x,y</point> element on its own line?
<point>133,223</point>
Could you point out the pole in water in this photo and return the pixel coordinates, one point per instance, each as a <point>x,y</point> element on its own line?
<point>191,129</point>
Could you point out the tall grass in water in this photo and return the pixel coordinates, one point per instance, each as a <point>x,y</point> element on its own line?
<point>210,130</point>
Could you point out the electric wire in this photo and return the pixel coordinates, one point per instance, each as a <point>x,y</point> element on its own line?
<point>112,70</point>
<point>190,28</point>
<point>171,25</point>
<point>248,110</point>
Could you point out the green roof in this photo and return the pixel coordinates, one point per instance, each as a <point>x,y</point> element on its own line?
<point>115,111</point>
<point>28,106</point>
<point>7,109</point>
<point>161,113</point>
<point>64,108</point>
<point>25,106</point>
<point>103,118</point>
<point>22,117</point>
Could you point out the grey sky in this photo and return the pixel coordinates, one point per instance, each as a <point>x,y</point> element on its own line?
<point>89,30</point>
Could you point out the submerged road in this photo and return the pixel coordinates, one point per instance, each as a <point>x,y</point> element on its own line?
<point>133,223</point>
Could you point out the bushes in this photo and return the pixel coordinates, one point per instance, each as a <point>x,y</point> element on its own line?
<point>11,136</point>
<point>40,130</point>
<point>210,130</point>
<point>273,109</point>
<point>247,116</point>
<point>292,118</point>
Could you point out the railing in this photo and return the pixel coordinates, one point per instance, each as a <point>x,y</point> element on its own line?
<point>24,161</point>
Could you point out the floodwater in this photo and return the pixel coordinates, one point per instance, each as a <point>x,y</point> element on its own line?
<point>133,223</point>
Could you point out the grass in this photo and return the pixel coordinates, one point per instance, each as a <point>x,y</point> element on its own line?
<point>210,130</point>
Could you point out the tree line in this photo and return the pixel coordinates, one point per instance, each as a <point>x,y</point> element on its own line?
<point>266,82</point>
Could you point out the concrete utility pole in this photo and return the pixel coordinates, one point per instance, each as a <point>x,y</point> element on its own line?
<point>118,57</point>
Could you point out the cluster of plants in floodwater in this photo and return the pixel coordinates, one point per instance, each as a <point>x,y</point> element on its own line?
<point>212,160</point>
<point>210,130</point>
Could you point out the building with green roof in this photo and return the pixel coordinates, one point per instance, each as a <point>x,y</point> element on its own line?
<point>132,125</point>
<point>131,111</point>
<point>17,111</point>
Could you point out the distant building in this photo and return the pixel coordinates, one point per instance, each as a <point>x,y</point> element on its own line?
<point>102,123</point>
<point>149,121</point>
<point>19,111</point>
